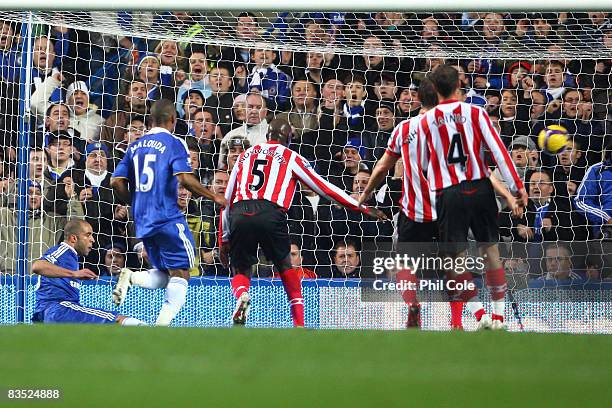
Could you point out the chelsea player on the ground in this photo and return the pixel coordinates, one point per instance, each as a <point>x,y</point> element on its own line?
<point>148,173</point>
<point>57,291</point>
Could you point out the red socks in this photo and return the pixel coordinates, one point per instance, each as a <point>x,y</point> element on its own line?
<point>240,284</point>
<point>293,288</point>
<point>456,315</point>
<point>403,277</point>
<point>496,283</point>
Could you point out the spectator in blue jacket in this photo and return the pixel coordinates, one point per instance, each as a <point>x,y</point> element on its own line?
<point>9,52</point>
<point>266,78</point>
<point>594,196</point>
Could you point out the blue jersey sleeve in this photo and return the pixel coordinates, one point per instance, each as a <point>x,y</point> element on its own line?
<point>181,161</point>
<point>123,168</point>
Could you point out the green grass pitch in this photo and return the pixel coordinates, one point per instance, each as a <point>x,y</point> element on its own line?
<point>104,366</point>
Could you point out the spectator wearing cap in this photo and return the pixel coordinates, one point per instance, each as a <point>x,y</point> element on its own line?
<point>59,149</point>
<point>303,115</point>
<point>221,100</point>
<point>234,147</point>
<point>198,76</point>
<point>107,218</point>
<point>192,101</point>
<point>82,117</point>
<point>255,127</point>
<point>351,160</point>
<point>376,138</point>
<point>408,103</point>
<point>115,257</point>
<point>134,101</point>
<point>44,231</point>
<point>158,86</point>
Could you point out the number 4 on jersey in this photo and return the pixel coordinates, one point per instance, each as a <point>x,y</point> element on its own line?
<point>456,153</point>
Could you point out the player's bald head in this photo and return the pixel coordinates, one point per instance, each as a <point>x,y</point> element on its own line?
<point>163,113</point>
<point>279,130</point>
<point>75,227</point>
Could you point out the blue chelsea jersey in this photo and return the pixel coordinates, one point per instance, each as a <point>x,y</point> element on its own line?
<point>150,165</point>
<point>58,289</point>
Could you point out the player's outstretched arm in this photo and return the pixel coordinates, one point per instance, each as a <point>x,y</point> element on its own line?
<point>379,173</point>
<point>192,184</point>
<point>46,268</point>
<point>120,189</point>
<point>319,185</point>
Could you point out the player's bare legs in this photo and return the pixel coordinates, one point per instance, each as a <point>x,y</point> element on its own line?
<point>240,288</point>
<point>293,287</point>
<point>495,278</point>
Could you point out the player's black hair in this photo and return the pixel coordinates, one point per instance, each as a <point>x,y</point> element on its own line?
<point>446,80</point>
<point>427,93</point>
<point>162,112</point>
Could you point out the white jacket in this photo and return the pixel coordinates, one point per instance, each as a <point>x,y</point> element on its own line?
<point>89,124</point>
<point>254,134</point>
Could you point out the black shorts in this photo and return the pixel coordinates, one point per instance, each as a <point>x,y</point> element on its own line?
<point>468,205</point>
<point>412,231</point>
<point>256,223</point>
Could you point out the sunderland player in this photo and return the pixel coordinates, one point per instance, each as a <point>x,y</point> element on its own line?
<point>259,193</point>
<point>58,288</point>
<point>150,170</point>
<point>417,220</point>
<point>456,135</point>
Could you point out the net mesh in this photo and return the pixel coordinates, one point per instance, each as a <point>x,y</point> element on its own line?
<point>343,81</point>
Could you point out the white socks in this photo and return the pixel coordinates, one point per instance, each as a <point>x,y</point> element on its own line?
<point>176,294</point>
<point>132,321</point>
<point>151,279</point>
<point>498,306</point>
<point>474,305</point>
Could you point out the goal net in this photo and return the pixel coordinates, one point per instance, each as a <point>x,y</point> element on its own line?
<point>76,89</point>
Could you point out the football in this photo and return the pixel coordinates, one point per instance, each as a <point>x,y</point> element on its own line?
<point>552,139</point>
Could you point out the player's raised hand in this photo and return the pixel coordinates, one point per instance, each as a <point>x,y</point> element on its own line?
<point>522,198</point>
<point>376,213</point>
<point>220,200</point>
<point>364,197</point>
<point>84,274</point>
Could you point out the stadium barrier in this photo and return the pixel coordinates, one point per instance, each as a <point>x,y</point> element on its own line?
<point>334,304</point>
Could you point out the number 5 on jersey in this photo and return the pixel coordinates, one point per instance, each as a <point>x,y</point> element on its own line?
<point>147,170</point>
<point>257,171</point>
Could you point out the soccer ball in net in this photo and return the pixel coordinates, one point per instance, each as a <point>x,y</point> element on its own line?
<point>553,139</point>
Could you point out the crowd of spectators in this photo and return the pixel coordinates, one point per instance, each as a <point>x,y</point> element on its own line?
<point>342,109</point>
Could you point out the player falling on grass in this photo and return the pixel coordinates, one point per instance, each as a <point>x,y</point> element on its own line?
<point>59,276</point>
<point>149,173</point>
<point>456,135</point>
<point>259,193</point>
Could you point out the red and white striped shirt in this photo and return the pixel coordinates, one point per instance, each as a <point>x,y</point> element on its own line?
<point>418,200</point>
<point>457,135</point>
<point>270,171</point>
